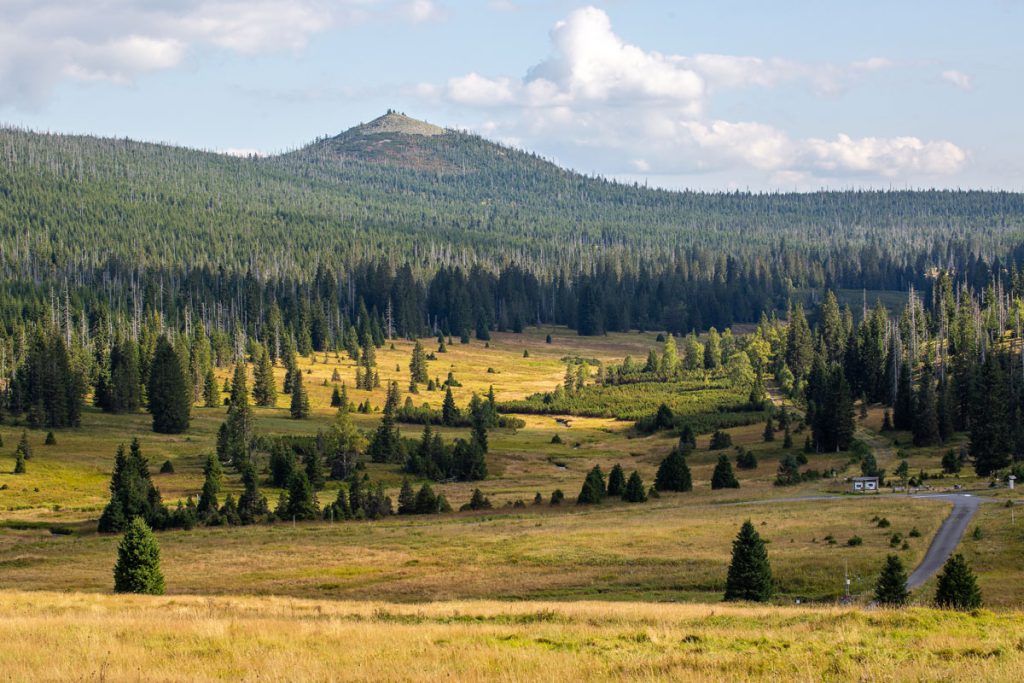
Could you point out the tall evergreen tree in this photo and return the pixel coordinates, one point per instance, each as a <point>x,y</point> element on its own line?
<point>891,588</point>
<point>385,445</point>
<point>723,477</point>
<point>170,399</point>
<point>957,589</point>
<point>239,427</point>
<point>616,481</point>
<point>903,407</point>
<point>634,491</point>
<point>208,505</point>
<point>594,489</point>
<point>990,433</point>
<point>926,414</point>
<point>418,365</point>
<point>750,576</point>
<point>300,400</point>
<point>449,412</point>
<point>138,561</point>
<point>264,390</point>
<point>211,394</point>
<point>673,473</point>
<point>132,493</point>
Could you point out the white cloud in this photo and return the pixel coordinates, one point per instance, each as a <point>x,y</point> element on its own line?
<point>958,78</point>
<point>420,10</point>
<point>45,41</point>
<point>609,102</point>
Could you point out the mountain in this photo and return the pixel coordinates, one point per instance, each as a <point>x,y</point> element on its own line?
<point>409,191</point>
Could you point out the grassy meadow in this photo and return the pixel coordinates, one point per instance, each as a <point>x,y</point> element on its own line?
<point>514,593</point>
<point>95,637</point>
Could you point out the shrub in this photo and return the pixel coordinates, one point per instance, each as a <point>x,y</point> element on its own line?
<point>855,541</point>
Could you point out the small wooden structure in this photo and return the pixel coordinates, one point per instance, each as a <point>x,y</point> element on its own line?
<point>865,484</point>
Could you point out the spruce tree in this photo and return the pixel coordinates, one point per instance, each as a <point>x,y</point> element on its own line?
<point>593,490</point>
<point>252,505</point>
<point>418,365</point>
<point>406,499</point>
<point>264,390</point>
<point>301,500</point>
<point>211,487</point>
<point>19,463</point>
<point>769,429</point>
<point>926,414</point>
<point>891,588</point>
<point>903,407</point>
<point>449,413</point>
<point>23,447</point>
<point>616,481</point>
<point>211,394</point>
<point>385,445</point>
<point>990,437</point>
<point>723,476</point>
<point>427,503</point>
<point>300,400</point>
<point>478,421</point>
<point>634,491</point>
<point>138,561</point>
<point>750,576</point>
<point>673,473</point>
<point>239,427</point>
<point>958,588</point>
<point>170,399</point>
<point>132,493</point>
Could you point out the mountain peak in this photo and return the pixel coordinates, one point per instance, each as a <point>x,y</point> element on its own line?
<point>396,122</point>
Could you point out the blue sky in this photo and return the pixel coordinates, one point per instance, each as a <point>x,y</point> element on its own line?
<point>710,95</point>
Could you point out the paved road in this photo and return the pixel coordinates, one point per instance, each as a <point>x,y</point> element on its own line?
<point>943,544</point>
<point>948,536</point>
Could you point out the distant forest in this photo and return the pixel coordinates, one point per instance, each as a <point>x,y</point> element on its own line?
<point>448,234</point>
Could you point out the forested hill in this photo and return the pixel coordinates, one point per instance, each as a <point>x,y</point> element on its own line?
<point>456,232</point>
<point>412,192</point>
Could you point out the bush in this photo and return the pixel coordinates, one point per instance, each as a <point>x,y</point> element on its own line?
<point>855,541</point>
<point>884,523</point>
<point>167,467</point>
<point>557,497</point>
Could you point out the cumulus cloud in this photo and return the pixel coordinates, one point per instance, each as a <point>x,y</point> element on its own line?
<point>45,41</point>
<point>600,95</point>
<point>958,79</point>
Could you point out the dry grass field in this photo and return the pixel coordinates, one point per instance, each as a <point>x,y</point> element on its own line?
<point>57,637</point>
<point>514,593</point>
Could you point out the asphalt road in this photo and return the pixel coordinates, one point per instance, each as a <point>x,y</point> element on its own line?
<point>946,539</point>
<point>948,536</point>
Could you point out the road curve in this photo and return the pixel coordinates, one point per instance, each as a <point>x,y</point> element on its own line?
<point>947,537</point>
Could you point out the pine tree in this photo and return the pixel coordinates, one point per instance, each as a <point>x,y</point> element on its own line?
<point>211,395</point>
<point>239,427</point>
<point>132,493</point>
<point>593,490</point>
<point>336,397</point>
<point>634,491</point>
<point>170,399</point>
<point>903,407</point>
<point>264,390</point>
<point>23,446</point>
<point>926,415</point>
<point>19,462</point>
<point>723,476</point>
<point>385,445</point>
<point>449,413</point>
<point>301,501</point>
<point>252,505</point>
<point>406,499</point>
<point>990,438</point>
<point>300,401</point>
<point>478,422</point>
<point>211,487</point>
<point>891,588</point>
<point>616,481</point>
<point>427,503</point>
<point>958,588</point>
<point>418,365</point>
<point>673,473</point>
<point>138,561</point>
<point>749,575</point>
<point>769,429</point>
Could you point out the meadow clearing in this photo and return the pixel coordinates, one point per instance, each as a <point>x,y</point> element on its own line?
<point>675,547</point>
<point>50,636</point>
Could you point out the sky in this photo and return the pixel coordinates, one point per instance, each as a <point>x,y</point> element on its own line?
<point>725,95</point>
